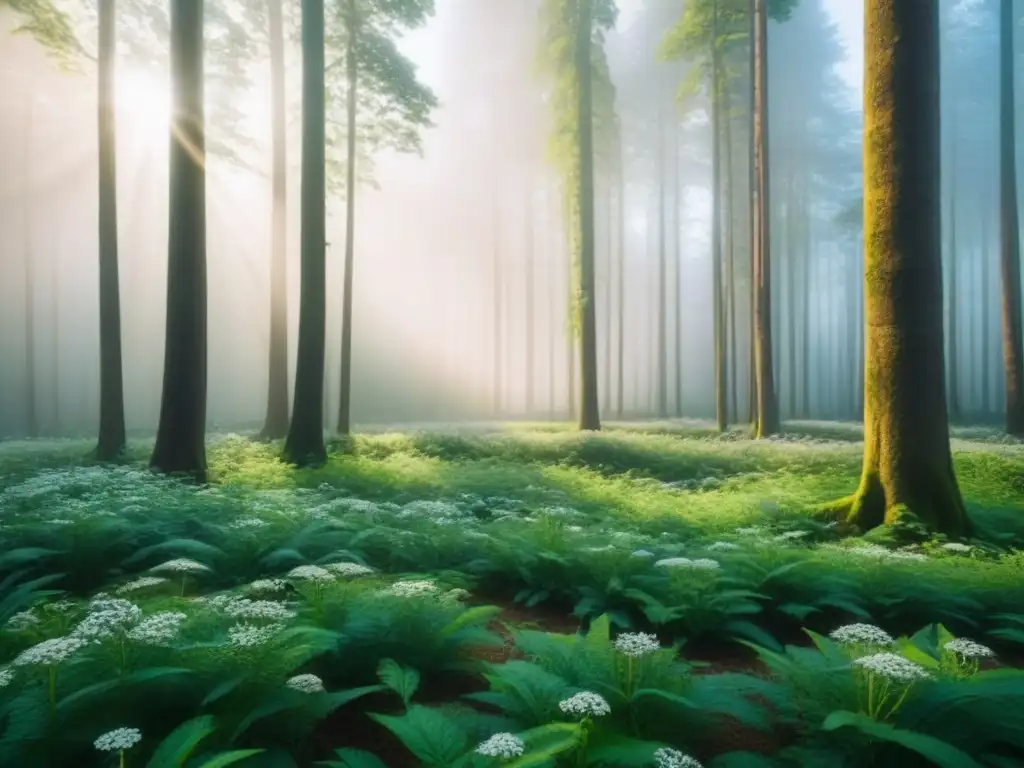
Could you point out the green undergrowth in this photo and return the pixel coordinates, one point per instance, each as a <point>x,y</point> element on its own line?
<point>391,554</point>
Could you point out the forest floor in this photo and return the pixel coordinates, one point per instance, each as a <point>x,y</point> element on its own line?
<point>704,540</point>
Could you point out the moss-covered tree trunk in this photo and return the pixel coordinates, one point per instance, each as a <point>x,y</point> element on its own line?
<point>305,442</point>
<point>1009,254</point>
<point>590,418</point>
<point>111,443</point>
<point>907,459</point>
<point>351,101</point>
<point>181,434</point>
<point>275,425</point>
<point>767,403</point>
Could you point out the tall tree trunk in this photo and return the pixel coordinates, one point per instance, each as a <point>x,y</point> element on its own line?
<point>983,310</point>
<point>496,285</point>
<point>729,341</point>
<point>907,458</point>
<point>661,385</point>
<point>31,403</point>
<point>1009,254</point>
<point>677,287</point>
<point>305,442</point>
<point>589,414</point>
<point>530,308</point>
<point>752,182</point>
<point>806,285</point>
<point>55,335</point>
<point>275,424</point>
<point>606,396</point>
<point>792,288</point>
<point>953,287</point>
<point>767,404</point>
<point>111,443</point>
<point>721,374</point>
<point>181,434</point>
<point>620,308</point>
<point>352,78</point>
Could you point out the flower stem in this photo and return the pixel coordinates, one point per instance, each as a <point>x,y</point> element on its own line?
<point>53,692</point>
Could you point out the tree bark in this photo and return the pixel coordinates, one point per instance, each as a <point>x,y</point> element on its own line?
<point>589,413</point>
<point>907,458</point>
<point>111,443</point>
<point>352,78</point>
<point>1009,254</point>
<point>275,424</point>
<point>620,308</point>
<point>530,309</point>
<point>767,404</point>
<point>305,442</point>
<point>721,374</point>
<point>31,397</point>
<point>661,384</point>
<point>181,434</point>
<point>953,287</point>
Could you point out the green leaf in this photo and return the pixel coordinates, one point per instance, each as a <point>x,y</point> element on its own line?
<point>545,743</point>
<point>229,758</point>
<point>430,735</point>
<point>25,556</point>
<point>180,743</point>
<point>614,749</point>
<point>350,757</point>
<point>657,693</point>
<point>402,680</point>
<point>940,753</point>
<point>90,692</point>
<point>221,690</point>
<point>477,615</point>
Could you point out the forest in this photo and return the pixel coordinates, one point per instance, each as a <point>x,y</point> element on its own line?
<point>524,383</point>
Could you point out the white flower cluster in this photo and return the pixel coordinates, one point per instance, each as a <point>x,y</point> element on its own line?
<point>23,620</point>
<point>666,757</point>
<point>268,585</point>
<point>416,588</point>
<point>158,628</point>
<point>574,528</point>
<point>877,552</point>
<point>861,634</point>
<point>585,704</point>
<point>504,745</point>
<point>969,649</point>
<point>306,683</point>
<point>6,676</point>
<point>752,530</point>
<point>698,564</point>
<point>248,523</point>
<point>313,573</point>
<point>49,653</point>
<point>118,740</point>
<point>957,547</point>
<point>180,565</point>
<point>643,553</point>
<point>349,569</point>
<point>636,644</point>
<point>792,535</point>
<point>143,582</point>
<point>243,608</point>
<point>723,546</point>
<point>107,618</point>
<point>250,635</point>
<point>893,667</point>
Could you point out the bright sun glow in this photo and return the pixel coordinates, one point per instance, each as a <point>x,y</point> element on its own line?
<point>144,103</point>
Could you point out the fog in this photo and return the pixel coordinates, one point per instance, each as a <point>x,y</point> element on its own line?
<point>448,324</point>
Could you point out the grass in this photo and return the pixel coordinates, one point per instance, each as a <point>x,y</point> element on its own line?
<point>558,523</point>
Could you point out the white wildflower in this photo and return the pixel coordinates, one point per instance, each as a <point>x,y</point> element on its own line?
<point>969,649</point>
<point>313,573</point>
<point>957,547</point>
<point>49,652</point>
<point>180,565</point>
<point>861,634</point>
<point>416,588</point>
<point>571,529</point>
<point>108,618</point>
<point>249,635</point>
<point>870,550</point>
<point>306,683</point>
<point>792,535</point>
<point>268,585</point>
<point>666,757</point>
<point>699,564</point>
<point>244,608</point>
<point>349,569</point>
<point>6,676</point>
<point>59,606</point>
<point>904,554</point>
<point>248,523</point>
<point>118,740</point>
<point>636,644</point>
<point>752,530</point>
<point>158,629</point>
<point>23,620</point>
<point>893,667</point>
<point>585,704</point>
<point>642,553</point>
<point>505,745</point>
<point>722,546</point>
<point>458,594</point>
<point>143,582</point>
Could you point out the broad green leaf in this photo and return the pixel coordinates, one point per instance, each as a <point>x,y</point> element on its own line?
<point>657,693</point>
<point>350,757</point>
<point>477,615</point>
<point>229,758</point>
<point>940,753</point>
<point>430,735</point>
<point>180,743</point>
<point>402,680</point>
